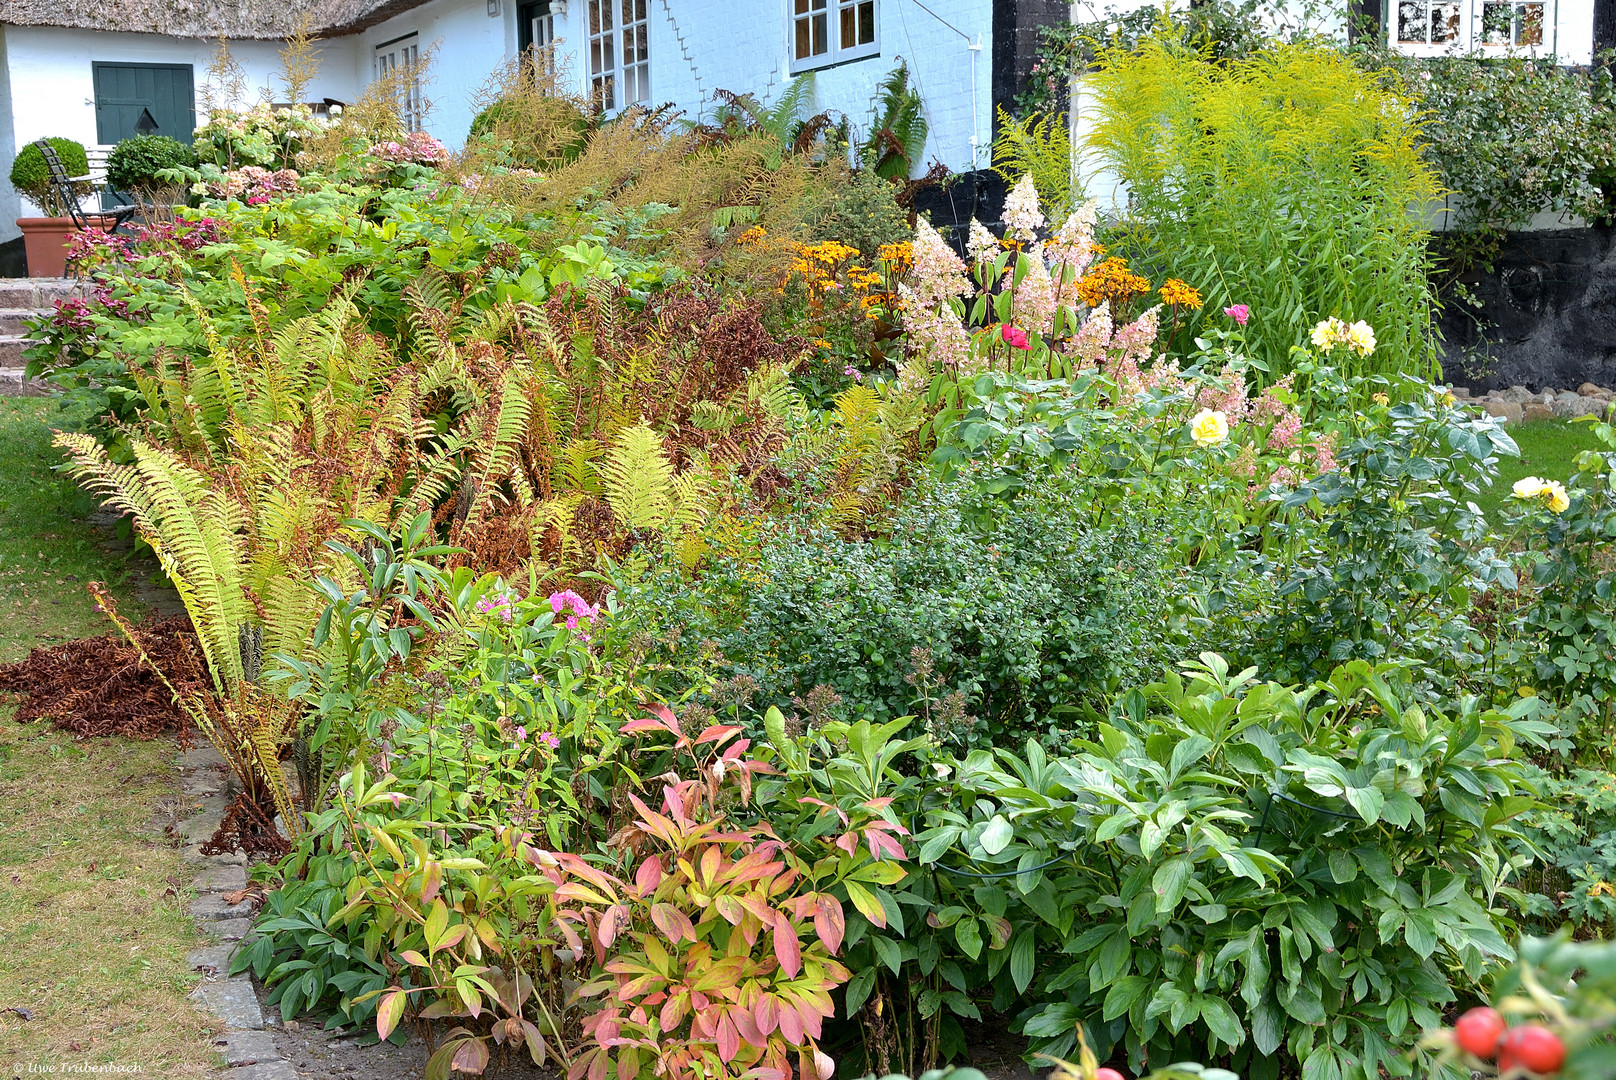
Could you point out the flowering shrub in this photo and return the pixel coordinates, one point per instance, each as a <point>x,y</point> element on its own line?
<point>416,148</point>
<point>252,184</point>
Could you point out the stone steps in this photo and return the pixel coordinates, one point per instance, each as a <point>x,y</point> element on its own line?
<point>22,299</point>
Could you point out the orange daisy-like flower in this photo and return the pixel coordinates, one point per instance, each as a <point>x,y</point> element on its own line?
<point>1176,292</point>
<point>1111,280</point>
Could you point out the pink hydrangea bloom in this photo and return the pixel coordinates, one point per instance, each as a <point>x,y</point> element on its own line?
<point>417,148</point>
<point>1034,302</point>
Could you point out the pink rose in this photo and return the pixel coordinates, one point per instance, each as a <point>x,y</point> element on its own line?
<point>1014,337</point>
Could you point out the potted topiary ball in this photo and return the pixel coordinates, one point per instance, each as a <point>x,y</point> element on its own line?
<point>45,238</point>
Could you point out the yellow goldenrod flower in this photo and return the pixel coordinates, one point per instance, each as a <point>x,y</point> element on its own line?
<point>1209,427</point>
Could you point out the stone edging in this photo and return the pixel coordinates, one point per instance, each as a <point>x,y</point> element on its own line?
<point>248,1048</point>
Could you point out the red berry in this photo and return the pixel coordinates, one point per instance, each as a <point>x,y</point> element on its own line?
<point>1103,1073</point>
<point>1531,1047</point>
<point>1479,1031</point>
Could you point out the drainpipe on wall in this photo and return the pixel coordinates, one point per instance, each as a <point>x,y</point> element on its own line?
<point>975,49</point>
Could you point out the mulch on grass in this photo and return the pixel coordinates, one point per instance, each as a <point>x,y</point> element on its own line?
<point>102,686</point>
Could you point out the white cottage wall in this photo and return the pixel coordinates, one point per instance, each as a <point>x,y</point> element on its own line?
<point>468,46</point>
<point>699,46</point>
<point>53,93</point>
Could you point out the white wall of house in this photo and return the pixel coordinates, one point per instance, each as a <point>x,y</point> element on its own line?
<point>699,46</point>
<point>52,93</point>
<point>467,46</point>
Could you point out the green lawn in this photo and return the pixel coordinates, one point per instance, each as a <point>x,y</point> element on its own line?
<point>93,922</point>
<point>48,552</point>
<point>1548,449</point>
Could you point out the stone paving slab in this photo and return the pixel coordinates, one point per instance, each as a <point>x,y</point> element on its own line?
<point>225,877</point>
<point>247,1048</point>
<point>230,930</point>
<point>266,1070</point>
<point>232,1000</point>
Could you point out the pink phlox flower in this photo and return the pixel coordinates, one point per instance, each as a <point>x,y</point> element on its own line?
<point>549,739</point>
<point>853,373</point>
<point>1238,312</point>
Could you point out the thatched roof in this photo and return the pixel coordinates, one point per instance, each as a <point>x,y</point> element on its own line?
<point>238,20</point>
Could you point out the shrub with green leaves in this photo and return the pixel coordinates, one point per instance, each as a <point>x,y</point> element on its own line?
<point>134,164</point>
<point>1023,613</point>
<point>1265,877</point>
<point>1281,180</point>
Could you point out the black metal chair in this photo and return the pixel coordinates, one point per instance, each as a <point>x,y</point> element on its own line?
<point>67,187</point>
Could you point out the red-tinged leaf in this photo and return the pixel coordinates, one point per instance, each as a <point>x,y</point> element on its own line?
<point>573,890</point>
<point>431,881</point>
<point>612,920</point>
<point>882,844</point>
<point>712,861</point>
<point>472,1057</point>
<point>766,1014</point>
<point>787,949</point>
<point>441,1008</point>
<point>598,1067</point>
<point>728,1039</point>
<point>536,1046</point>
<point>649,875</point>
<point>867,904</point>
<point>718,733</point>
<point>674,1011</point>
<point>790,1023</point>
<point>824,1067</point>
<point>829,922</point>
<point>674,924</point>
<point>389,1013</point>
<point>848,842</point>
<point>729,907</point>
<point>452,936</point>
<point>746,1026</point>
<point>412,957</point>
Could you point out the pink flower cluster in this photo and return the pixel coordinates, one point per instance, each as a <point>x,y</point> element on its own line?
<point>575,606</point>
<point>255,185</point>
<point>1035,299</point>
<point>1227,396</point>
<point>92,247</point>
<point>417,148</point>
<point>1022,217</point>
<point>496,605</point>
<point>1238,312</point>
<point>1073,245</point>
<point>936,279</point>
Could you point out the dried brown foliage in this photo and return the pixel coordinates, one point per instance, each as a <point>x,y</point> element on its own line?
<point>100,686</point>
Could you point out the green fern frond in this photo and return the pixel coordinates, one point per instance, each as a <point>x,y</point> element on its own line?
<point>639,479</point>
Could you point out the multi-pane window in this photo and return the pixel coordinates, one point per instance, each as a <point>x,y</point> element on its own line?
<point>1511,23</point>
<point>619,53</point>
<point>536,34</point>
<point>830,31</point>
<point>1424,22</point>
<point>397,61</point>
<point>1439,26</point>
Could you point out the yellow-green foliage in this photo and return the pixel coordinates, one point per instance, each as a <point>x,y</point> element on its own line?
<point>1040,147</point>
<point>1289,181</point>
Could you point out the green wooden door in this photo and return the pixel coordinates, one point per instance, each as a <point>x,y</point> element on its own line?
<point>143,99</point>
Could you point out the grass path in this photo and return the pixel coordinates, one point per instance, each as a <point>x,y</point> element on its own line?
<point>93,927</point>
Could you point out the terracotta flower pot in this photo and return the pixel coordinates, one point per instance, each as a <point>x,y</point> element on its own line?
<point>45,243</point>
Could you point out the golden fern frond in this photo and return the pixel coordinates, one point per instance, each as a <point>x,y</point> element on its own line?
<point>574,468</point>
<point>639,479</point>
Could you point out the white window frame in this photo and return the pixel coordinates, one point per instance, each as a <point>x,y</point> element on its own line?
<point>617,53</point>
<point>404,52</point>
<point>1470,35</point>
<point>806,17</point>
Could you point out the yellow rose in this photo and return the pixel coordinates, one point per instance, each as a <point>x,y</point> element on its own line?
<point>1554,494</point>
<point>1360,338</point>
<point>1209,428</point>
<point>1527,487</point>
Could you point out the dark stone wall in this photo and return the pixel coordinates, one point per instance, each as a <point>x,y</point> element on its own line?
<point>1547,315</point>
<point>1015,46</point>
